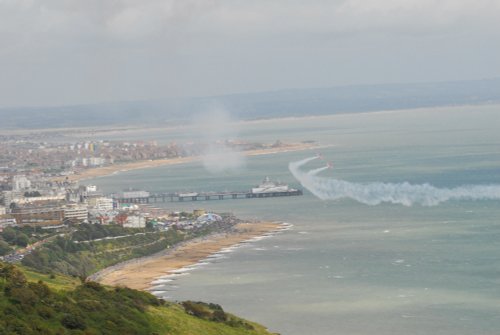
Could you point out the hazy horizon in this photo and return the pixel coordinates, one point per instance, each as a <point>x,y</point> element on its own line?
<point>261,105</point>
<point>254,92</point>
<point>57,53</point>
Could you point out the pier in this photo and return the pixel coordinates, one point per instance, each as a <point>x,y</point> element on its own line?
<point>203,196</point>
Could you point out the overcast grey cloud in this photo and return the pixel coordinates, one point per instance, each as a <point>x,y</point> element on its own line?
<point>72,51</point>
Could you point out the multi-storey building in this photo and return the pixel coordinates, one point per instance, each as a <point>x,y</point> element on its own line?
<point>100,204</point>
<point>11,196</point>
<point>40,213</point>
<point>76,212</point>
<point>20,183</point>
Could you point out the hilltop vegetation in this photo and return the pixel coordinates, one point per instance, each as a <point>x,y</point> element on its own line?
<point>49,294</point>
<point>67,256</point>
<point>32,303</point>
<point>87,248</point>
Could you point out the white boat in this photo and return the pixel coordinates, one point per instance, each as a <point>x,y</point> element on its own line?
<point>268,186</point>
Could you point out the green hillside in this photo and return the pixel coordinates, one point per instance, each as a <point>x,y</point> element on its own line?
<point>34,303</point>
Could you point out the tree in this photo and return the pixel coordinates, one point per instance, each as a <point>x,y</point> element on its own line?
<point>4,248</point>
<point>13,276</point>
<point>32,194</point>
<point>22,240</point>
<point>9,234</point>
<point>150,225</point>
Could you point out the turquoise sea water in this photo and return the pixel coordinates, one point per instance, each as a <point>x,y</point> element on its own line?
<point>347,267</point>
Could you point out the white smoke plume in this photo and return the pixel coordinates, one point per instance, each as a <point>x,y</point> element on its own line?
<point>397,193</point>
<point>215,129</point>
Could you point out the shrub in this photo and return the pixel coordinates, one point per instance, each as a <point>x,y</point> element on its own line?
<point>13,276</point>
<point>93,286</point>
<point>239,323</point>
<point>40,289</point>
<point>90,305</point>
<point>196,309</point>
<point>45,312</point>
<point>73,321</point>
<point>23,295</point>
<point>14,325</point>
<point>219,316</point>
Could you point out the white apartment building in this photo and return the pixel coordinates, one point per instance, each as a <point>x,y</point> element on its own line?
<point>135,221</point>
<point>76,212</point>
<point>20,183</point>
<point>91,188</point>
<point>96,161</point>
<point>101,204</point>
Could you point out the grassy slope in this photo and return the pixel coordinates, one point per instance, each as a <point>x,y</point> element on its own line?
<point>58,283</point>
<point>175,321</point>
<point>169,318</point>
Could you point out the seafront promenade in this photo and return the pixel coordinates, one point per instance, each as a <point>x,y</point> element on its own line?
<point>145,164</point>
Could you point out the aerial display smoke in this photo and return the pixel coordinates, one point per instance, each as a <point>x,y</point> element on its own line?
<point>375,193</point>
<point>215,128</point>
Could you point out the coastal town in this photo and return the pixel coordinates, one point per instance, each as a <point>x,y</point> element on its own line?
<point>57,156</point>
<point>58,210</point>
<point>43,193</point>
<point>58,226</point>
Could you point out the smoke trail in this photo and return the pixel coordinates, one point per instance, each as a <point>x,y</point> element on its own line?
<point>397,193</point>
<point>316,171</point>
<point>215,127</point>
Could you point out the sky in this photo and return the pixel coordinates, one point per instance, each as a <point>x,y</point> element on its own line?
<point>57,52</point>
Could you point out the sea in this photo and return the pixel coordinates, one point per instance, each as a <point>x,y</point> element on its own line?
<point>345,266</point>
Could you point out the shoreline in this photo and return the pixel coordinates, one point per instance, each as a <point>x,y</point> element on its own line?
<point>138,165</point>
<point>134,127</point>
<point>141,273</point>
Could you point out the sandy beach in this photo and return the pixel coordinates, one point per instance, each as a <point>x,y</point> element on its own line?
<point>139,273</point>
<point>108,170</point>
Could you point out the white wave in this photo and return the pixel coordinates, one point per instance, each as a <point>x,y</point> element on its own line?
<point>256,239</point>
<point>375,193</point>
<point>200,264</point>
<point>227,250</point>
<point>161,281</point>
<point>182,270</point>
<point>157,292</point>
<point>215,256</point>
<point>176,274</point>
